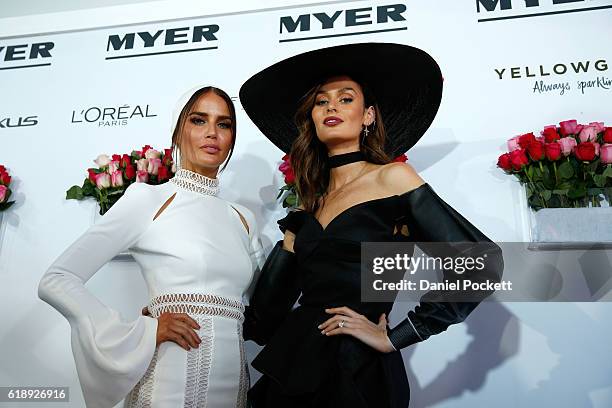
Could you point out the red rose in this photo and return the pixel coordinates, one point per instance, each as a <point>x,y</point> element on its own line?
<point>553,151</point>
<point>402,158</point>
<point>585,151</point>
<point>2,169</point>
<point>117,157</point>
<point>130,172</point>
<point>125,161</point>
<point>518,158</point>
<point>167,159</point>
<point>5,178</point>
<point>525,139</point>
<point>145,148</point>
<point>289,177</point>
<point>550,134</point>
<point>607,136</point>
<point>163,173</point>
<point>92,175</point>
<point>536,150</point>
<point>505,162</point>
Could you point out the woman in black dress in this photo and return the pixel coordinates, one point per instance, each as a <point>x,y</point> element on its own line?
<point>343,113</point>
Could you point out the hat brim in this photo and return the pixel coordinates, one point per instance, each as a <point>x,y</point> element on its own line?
<point>406,82</point>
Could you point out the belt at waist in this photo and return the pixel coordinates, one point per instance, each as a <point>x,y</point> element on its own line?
<point>197,304</point>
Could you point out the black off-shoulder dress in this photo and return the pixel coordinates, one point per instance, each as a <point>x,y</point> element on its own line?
<point>303,368</point>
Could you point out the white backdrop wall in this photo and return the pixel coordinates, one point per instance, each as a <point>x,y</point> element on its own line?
<point>495,56</point>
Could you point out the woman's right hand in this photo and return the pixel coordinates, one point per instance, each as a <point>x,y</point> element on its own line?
<point>179,328</point>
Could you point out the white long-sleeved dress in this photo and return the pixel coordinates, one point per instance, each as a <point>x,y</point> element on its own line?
<point>196,258</point>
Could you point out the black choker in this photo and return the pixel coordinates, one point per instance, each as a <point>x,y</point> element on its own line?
<point>345,158</point>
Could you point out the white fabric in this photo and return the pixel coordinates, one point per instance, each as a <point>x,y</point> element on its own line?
<point>197,245</point>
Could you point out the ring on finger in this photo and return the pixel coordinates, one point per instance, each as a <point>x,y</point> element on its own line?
<point>342,323</point>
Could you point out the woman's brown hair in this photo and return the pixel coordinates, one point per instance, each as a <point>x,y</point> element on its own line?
<point>309,155</point>
<point>180,122</point>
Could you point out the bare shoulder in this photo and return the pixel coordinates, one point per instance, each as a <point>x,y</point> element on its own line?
<point>398,178</point>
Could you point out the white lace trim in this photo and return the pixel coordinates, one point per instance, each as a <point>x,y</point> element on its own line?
<point>142,393</point>
<point>197,304</point>
<point>199,361</point>
<point>244,384</point>
<point>196,182</point>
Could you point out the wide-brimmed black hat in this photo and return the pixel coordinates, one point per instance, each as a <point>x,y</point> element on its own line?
<point>406,83</point>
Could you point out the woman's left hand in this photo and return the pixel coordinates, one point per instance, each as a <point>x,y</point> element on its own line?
<point>358,326</point>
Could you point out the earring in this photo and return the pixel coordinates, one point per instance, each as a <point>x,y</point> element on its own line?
<point>365,134</point>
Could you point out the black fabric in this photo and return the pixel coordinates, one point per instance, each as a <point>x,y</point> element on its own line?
<point>303,368</point>
<point>338,160</point>
<point>275,294</point>
<point>406,81</point>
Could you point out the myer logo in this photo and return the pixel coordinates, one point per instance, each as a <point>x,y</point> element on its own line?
<point>547,78</point>
<point>18,122</point>
<point>166,41</point>
<point>111,116</point>
<point>25,55</point>
<point>509,9</point>
<point>342,22</point>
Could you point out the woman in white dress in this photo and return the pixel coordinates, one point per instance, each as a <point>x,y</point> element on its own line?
<point>199,256</point>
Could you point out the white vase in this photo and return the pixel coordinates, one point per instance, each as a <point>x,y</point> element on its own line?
<point>122,256</point>
<point>571,228</point>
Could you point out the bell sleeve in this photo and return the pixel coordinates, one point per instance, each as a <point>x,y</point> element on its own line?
<point>430,219</point>
<point>111,354</point>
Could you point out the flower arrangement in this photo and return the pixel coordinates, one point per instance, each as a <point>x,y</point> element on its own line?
<point>114,174</point>
<point>566,166</point>
<point>5,190</point>
<point>288,192</point>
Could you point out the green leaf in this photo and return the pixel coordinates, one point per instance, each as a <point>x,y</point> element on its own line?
<point>6,205</point>
<point>608,172</point>
<point>600,180</point>
<point>546,194</point>
<point>578,191</point>
<point>74,193</point>
<point>566,171</point>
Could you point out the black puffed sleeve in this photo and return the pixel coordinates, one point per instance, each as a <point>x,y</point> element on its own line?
<point>430,219</point>
<point>293,221</point>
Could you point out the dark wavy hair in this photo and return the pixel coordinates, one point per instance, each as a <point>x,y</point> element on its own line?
<point>309,155</point>
<point>180,122</point>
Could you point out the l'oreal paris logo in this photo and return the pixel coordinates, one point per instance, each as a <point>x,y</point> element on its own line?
<point>18,122</point>
<point>111,116</point>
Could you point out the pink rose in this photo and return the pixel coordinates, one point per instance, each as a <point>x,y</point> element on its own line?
<point>513,144</point>
<point>4,189</point>
<point>103,180</point>
<point>113,166</point>
<point>142,176</point>
<point>154,166</point>
<point>605,153</point>
<point>142,164</point>
<point>569,127</point>
<point>102,160</point>
<point>588,134</point>
<point>598,125</point>
<point>117,178</point>
<point>567,145</point>
<point>152,154</point>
